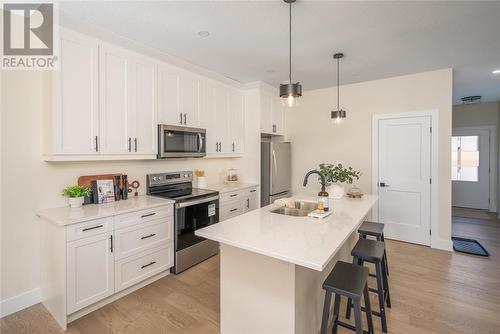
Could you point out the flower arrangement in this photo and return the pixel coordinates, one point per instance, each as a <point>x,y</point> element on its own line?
<point>337,173</point>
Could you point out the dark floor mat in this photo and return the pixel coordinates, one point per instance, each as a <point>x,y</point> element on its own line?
<point>469,246</point>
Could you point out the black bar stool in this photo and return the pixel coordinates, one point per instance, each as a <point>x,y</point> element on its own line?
<point>375,230</point>
<point>350,281</point>
<point>372,251</point>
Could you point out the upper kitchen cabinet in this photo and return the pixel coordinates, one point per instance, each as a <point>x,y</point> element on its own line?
<point>127,102</point>
<point>179,97</point>
<point>236,117</point>
<point>71,118</point>
<point>271,113</point>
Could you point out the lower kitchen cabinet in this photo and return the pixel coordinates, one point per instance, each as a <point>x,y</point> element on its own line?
<point>238,202</point>
<point>89,264</point>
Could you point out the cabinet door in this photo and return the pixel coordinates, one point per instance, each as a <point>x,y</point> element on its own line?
<point>115,101</point>
<point>251,202</point>
<point>236,121</point>
<point>208,115</point>
<point>221,119</point>
<point>278,111</point>
<point>143,127</point>
<point>266,103</point>
<point>190,95</point>
<point>76,104</point>
<point>90,271</point>
<point>169,108</point>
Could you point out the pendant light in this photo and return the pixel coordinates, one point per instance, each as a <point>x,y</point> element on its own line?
<point>338,115</point>
<point>290,92</point>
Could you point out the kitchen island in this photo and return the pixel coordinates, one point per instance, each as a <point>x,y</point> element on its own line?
<point>273,265</point>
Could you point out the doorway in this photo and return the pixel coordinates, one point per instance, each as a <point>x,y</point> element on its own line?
<point>402,175</point>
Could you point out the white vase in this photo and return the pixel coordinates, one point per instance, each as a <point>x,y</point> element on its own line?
<point>336,191</point>
<point>202,182</point>
<point>75,202</point>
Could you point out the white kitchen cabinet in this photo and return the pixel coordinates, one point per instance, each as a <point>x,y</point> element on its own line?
<point>128,102</point>
<point>72,117</point>
<point>179,97</point>
<point>236,121</point>
<point>90,271</point>
<point>251,202</point>
<point>272,113</point>
<point>237,202</point>
<point>221,129</point>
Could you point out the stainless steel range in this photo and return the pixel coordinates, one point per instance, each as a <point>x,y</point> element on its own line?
<point>194,209</point>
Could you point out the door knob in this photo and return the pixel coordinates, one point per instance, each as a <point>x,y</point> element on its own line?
<point>382,185</point>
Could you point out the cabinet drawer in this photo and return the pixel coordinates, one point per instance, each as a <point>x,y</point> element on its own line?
<point>251,191</point>
<point>231,196</point>
<point>138,238</point>
<point>143,216</point>
<point>89,228</point>
<point>134,269</point>
<point>231,209</point>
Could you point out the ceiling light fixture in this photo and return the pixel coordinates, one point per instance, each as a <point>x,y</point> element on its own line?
<point>338,115</point>
<point>496,72</point>
<point>290,92</point>
<point>203,33</point>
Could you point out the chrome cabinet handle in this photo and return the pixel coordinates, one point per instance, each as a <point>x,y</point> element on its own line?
<point>248,203</point>
<point>216,147</point>
<point>96,144</point>
<point>233,147</point>
<point>148,236</point>
<point>92,228</point>
<point>233,210</point>
<point>180,118</point>
<point>233,195</point>
<point>149,264</point>
<point>129,144</point>
<point>148,215</point>
<point>111,243</point>
<point>135,144</point>
<point>185,117</point>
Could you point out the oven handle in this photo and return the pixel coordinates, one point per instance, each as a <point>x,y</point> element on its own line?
<point>199,201</point>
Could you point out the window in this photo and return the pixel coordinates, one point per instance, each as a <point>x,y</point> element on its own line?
<point>465,158</point>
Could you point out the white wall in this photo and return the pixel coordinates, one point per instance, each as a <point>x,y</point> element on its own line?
<point>315,139</point>
<point>29,183</point>
<point>481,114</point>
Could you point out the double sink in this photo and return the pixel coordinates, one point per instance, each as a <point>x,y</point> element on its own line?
<point>300,209</point>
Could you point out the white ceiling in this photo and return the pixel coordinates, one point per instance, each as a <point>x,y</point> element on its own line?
<point>249,39</point>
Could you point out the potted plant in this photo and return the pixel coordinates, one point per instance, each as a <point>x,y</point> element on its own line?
<point>76,195</point>
<point>335,176</point>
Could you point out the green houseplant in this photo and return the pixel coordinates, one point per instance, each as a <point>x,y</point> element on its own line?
<point>76,195</point>
<point>336,175</point>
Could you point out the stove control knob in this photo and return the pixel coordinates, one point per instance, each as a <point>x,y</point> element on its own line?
<point>154,178</point>
<point>159,178</point>
<point>185,176</point>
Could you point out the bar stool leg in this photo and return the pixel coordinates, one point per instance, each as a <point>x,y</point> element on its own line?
<point>336,306</point>
<point>368,309</point>
<point>357,317</point>
<point>359,262</point>
<point>386,284</point>
<point>381,301</point>
<point>326,312</point>
<point>385,256</point>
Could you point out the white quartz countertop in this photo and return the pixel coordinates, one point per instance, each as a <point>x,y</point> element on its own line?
<point>66,215</point>
<point>304,241</point>
<point>227,187</point>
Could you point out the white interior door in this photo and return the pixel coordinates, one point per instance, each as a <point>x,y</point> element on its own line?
<point>404,178</point>
<point>471,168</point>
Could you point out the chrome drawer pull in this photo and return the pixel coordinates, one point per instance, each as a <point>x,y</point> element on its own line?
<point>233,195</point>
<point>252,191</point>
<point>92,228</point>
<point>233,210</point>
<point>148,236</point>
<point>148,215</point>
<point>149,264</point>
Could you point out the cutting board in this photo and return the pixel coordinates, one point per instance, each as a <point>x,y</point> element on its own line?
<point>86,180</point>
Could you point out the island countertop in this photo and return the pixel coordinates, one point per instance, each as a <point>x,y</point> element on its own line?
<point>304,241</point>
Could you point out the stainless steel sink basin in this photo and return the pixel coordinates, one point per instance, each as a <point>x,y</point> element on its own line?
<point>300,209</point>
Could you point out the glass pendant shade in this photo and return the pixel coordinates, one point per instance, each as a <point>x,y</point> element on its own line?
<point>290,94</point>
<point>338,116</point>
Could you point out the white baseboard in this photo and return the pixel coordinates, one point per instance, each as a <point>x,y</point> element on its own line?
<point>443,244</point>
<point>19,302</point>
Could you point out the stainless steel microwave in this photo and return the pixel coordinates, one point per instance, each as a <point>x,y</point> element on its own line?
<point>181,142</point>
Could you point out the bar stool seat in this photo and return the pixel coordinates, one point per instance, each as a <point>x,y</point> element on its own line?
<point>369,250</point>
<point>351,281</point>
<point>370,228</point>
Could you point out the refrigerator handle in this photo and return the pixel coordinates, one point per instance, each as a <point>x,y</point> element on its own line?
<point>275,166</point>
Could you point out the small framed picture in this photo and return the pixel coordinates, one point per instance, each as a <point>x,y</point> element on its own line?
<point>104,191</point>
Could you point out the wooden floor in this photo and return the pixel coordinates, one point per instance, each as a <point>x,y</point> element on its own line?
<point>432,292</point>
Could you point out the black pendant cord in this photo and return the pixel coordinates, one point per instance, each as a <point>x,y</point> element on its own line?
<point>290,45</point>
<point>338,84</point>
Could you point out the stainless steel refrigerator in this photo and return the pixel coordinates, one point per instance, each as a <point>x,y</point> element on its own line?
<point>275,171</point>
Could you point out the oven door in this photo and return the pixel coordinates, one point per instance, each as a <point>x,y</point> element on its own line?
<point>193,215</point>
<point>180,142</point>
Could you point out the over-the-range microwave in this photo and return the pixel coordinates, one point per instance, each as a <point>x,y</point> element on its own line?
<point>180,142</point>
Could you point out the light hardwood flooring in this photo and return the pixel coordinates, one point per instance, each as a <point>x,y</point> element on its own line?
<point>432,291</point>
